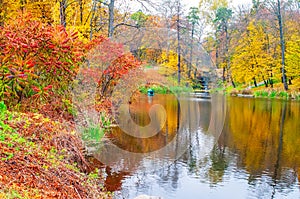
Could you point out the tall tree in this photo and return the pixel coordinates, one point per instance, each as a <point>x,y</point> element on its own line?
<point>221,21</point>
<point>208,10</point>
<point>167,11</point>
<point>193,18</point>
<point>252,61</point>
<point>111,7</point>
<point>178,40</point>
<point>276,8</point>
<point>282,44</point>
<point>62,12</point>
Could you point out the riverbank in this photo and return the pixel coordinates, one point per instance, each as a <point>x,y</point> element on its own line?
<point>259,92</point>
<point>44,158</point>
<point>159,89</point>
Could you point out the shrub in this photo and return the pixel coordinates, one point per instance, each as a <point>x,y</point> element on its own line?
<point>273,94</point>
<point>234,92</point>
<point>247,92</point>
<point>283,94</point>
<point>4,114</point>
<point>261,94</point>
<point>37,60</point>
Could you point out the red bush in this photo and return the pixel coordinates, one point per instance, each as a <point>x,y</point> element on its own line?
<point>36,59</point>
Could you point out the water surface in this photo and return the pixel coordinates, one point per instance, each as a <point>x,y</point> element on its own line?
<point>255,155</point>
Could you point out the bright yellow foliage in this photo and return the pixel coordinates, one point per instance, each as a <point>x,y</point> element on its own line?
<point>293,51</point>
<point>251,58</point>
<point>255,134</point>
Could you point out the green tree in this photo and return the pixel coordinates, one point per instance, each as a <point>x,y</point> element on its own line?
<point>140,18</point>
<point>193,18</point>
<point>223,15</point>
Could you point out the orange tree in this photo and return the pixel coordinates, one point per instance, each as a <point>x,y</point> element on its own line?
<point>110,61</point>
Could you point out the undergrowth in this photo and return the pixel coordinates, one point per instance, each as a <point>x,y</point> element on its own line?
<point>42,158</point>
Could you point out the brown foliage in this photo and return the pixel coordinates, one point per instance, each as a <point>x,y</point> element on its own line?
<point>48,166</point>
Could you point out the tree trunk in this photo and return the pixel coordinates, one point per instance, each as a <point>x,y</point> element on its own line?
<point>81,12</point>
<point>227,51</point>
<point>279,149</point>
<point>111,18</point>
<point>92,18</point>
<point>266,83</point>
<point>178,40</point>
<point>282,43</point>
<point>232,82</point>
<point>255,83</point>
<point>62,12</point>
<point>271,80</point>
<point>2,13</point>
<point>224,70</point>
<point>168,40</point>
<point>191,51</point>
<point>217,52</point>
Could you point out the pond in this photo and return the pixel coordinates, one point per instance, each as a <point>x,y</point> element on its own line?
<point>219,148</point>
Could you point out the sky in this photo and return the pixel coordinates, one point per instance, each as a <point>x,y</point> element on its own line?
<point>235,3</point>
<point>194,3</point>
<point>191,3</point>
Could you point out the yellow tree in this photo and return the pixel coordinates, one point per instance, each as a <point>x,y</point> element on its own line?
<point>79,15</point>
<point>7,9</point>
<point>251,60</point>
<point>39,9</point>
<point>292,50</point>
<point>208,10</point>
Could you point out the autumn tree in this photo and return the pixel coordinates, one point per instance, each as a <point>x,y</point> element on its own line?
<point>221,21</point>
<point>251,61</point>
<point>217,14</point>
<point>193,18</point>
<point>277,10</point>
<point>40,10</point>
<point>282,43</point>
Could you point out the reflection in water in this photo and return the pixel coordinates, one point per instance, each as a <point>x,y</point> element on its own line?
<point>265,136</point>
<point>139,110</point>
<point>256,156</point>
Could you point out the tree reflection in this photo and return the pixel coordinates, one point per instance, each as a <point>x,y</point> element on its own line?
<point>265,136</point>
<point>219,165</point>
<point>260,139</point>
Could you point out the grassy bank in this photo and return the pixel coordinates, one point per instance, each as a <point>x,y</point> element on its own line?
<point>262,92</point>
<point>43,158</point>
<point>158,89</point>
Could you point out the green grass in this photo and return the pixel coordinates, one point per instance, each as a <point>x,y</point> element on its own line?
<point>7,133</point>
<point>95,132</point>
<point>181,89</point>
<point>297,97</point>
<point>273,94</point>
<point>4,114</point>
<point>165,90</point>
<point>261,94</point>
<point>283,94</point>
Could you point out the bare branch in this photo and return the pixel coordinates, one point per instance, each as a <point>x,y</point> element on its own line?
<point>125,24</point>
<point>142,2</point>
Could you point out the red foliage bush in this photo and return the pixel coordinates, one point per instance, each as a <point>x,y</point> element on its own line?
<point>36,59</point>
<point>38,62</point>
